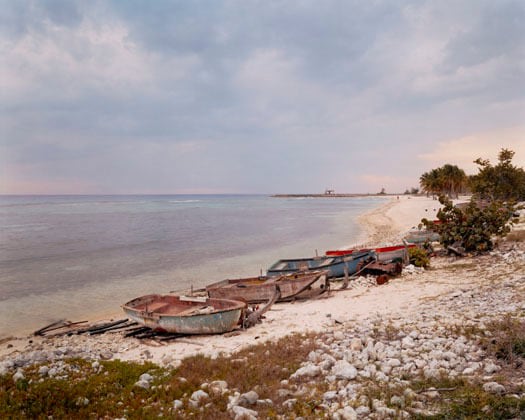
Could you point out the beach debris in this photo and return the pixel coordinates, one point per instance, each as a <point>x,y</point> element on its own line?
<point>254,317</point>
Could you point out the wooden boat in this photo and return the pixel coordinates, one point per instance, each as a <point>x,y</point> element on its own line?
<point>337,266</point>
<point>184,314</point>
<point>417,236</point>
<point>260,289</point>
<point>383,254</point>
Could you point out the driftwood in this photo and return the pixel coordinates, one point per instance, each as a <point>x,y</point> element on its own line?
<point>255,317</point>
<point>57,326</point>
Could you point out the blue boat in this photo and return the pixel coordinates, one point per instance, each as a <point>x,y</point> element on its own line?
<point>334,265</point>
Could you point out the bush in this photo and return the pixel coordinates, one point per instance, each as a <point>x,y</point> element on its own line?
<point>472,227</point>
<point>418,257</point>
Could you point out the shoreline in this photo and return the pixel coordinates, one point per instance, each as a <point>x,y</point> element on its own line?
<point>380,226</point>
<point>396,350</point>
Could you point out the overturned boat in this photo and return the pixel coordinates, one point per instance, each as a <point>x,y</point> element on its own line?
<point>336,266</point>
<point>185,314</point>
<point>260,289</point>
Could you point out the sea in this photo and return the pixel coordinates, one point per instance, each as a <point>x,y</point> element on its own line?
<point>82,257</point>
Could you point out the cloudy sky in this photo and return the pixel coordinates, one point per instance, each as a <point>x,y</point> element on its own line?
<point>249,96</point>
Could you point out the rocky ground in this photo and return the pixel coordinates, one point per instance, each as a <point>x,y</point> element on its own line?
<point>389,364</point>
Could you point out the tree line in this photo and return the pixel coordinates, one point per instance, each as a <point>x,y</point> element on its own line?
<point>503,181</point>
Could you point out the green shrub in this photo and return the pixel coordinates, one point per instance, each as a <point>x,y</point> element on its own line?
<point>474,226</point>
<point>418,257</point>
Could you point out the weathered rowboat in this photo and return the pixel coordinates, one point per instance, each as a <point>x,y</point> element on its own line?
<point>417,236</point>
<point>337,266</point>
<point>261,289</point>
<point>383,254</point>
<point>184,314</point>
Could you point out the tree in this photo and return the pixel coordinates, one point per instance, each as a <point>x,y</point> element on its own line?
<point>501,182</point>
<point>449,179</point>
<point>473,227</point>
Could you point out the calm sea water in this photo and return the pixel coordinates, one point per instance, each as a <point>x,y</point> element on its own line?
<point>76,256</point>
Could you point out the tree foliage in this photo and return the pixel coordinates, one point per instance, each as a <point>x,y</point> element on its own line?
<point>473,226</point>
<point>448,179</point>
<point>503,181</point>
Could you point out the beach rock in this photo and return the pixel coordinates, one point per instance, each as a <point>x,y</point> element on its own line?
<point>146,377</point>
<point>242,413</point>
<point>248,398</point>
<point>347,413</point>
<point>19,375</point>
<point>142,384</point>
<point>43,370</point>
<point>198,397</point>
<point>177,404</point>
<point>309,370</point>
<point>330,396</point>
<point>344,370</point>
<point>494,388</point>
<point>356,344</point>
<point>218,387</point>
<point>362,411</point>
<point>491,368</point>
<point>289,404</point>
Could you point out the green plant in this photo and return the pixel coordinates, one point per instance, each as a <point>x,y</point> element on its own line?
<point>474,226</point>
<point>418,257</point>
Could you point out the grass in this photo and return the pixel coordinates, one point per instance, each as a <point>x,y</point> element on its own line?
<point>111,393</point>
<point>465,400</point>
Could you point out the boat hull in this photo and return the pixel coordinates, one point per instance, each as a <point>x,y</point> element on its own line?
<point>177,314</point>
<point>261,289</point>
<point>335,265</point>
<point>383,254</point>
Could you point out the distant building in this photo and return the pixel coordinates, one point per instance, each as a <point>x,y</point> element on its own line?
<point>329,192</point>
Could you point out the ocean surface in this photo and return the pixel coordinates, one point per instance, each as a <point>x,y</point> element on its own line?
<point>76,257</point>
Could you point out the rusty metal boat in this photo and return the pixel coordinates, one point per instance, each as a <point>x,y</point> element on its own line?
<point>260,289</point>
<point>185,314</point>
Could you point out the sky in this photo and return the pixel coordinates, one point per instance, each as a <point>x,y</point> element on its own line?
<point>242,96</point>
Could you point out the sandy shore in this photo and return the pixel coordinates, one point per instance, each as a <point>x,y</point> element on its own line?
<point>383,225</point>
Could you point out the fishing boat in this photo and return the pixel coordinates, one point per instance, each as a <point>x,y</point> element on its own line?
<point>185,314</point>
<point>337,266</point>
<point>416,236</point>
<point>383,254</point>
<point>260,289</point>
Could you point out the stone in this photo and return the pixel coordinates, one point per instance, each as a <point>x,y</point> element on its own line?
<point>308,370</point>
<point>146,377</point>
<point>248,398</point>
<point>177,404</point>
<point>347,413</point>
<point>19,375</point>
<point>42,370</point>
<point>397,401</point>
<point>289,404</point>
<point>339,336</point>
<point>344,370</point>
<point>494,388</point>
<point>330,396</point>
<point>142,384</point>
<point>362,411</point>
<point>356,344</point>
<point>218,387</point>
<point>491,368</point>
<point>198,397</point>
<point>82,401</point>
<point>244,413</point>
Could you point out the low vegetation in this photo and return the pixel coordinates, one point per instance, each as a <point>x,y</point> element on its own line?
<point>109,391</point>
<point>473,227</point>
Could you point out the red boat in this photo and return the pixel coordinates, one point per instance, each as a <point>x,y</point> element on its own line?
<point>387,253</point>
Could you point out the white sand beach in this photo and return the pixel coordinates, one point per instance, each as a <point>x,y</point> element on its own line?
<point>384,225</point>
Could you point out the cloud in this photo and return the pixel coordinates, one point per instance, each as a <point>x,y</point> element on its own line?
<point>250,97</point>
<point>487,145</point>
